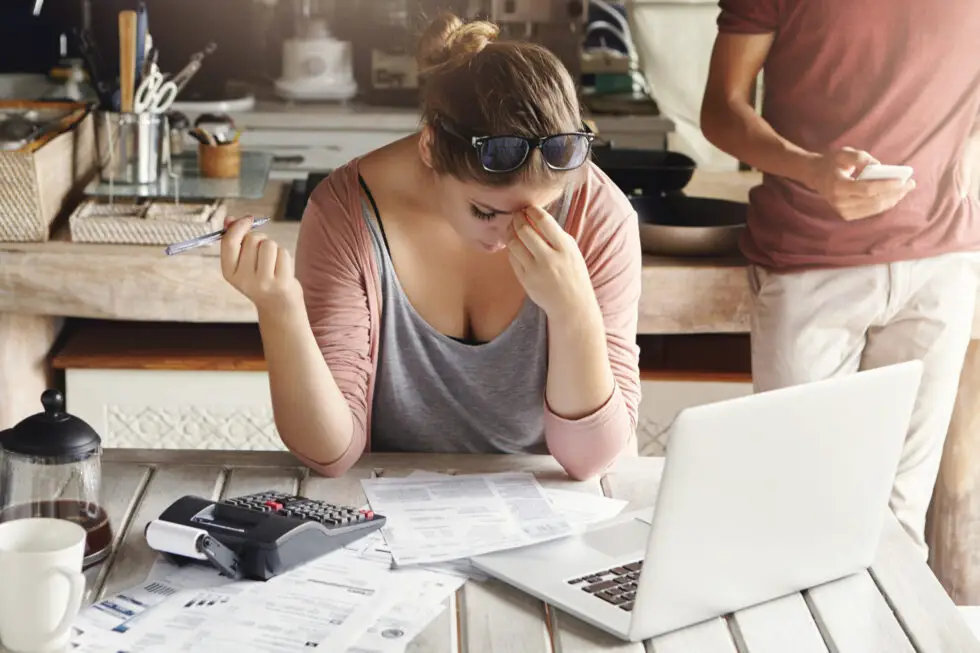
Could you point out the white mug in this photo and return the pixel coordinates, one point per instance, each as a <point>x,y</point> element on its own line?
<point>42,583</point>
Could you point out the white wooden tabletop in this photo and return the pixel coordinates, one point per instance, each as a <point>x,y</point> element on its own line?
<point>898,606</point>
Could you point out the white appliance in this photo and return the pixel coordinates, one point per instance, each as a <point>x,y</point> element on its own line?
<point>761,496</point>
<point>315,65</point>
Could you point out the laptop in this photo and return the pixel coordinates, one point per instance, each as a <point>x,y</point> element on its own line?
<point>761,496</point>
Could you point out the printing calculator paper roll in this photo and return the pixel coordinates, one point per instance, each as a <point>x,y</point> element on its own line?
<point>168,537</point>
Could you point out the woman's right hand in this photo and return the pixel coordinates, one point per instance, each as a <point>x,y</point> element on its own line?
<point>258,267</point>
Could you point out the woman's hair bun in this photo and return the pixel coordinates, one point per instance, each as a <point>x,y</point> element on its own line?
<point>447,38</point>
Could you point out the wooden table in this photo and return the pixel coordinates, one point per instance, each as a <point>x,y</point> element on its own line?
<point>897,607</point>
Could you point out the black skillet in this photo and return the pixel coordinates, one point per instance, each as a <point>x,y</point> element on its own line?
<point>677,225</point>
<point>671,223</point>
<point>644,172</point>
<point>683,211</point>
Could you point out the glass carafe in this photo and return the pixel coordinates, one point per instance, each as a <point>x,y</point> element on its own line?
<point>51,466</point>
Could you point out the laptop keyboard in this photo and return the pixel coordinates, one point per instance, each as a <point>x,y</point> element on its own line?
<point>616,585</point>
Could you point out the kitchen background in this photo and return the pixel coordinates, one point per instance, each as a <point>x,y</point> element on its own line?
<point>299,87</point>
<point>670,41</point>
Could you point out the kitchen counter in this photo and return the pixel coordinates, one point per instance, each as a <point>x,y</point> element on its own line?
<point>42,283</point>
<point>895,606</point>
<point>305,116</point>
<point>121,282</point>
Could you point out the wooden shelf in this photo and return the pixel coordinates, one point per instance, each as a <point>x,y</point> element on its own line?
<point>723,357</point>
<point>109,344</point>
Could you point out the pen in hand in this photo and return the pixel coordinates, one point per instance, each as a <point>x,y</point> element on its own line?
<point>207,239</point>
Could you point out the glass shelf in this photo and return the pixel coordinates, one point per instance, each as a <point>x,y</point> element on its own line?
<point>184,182</point>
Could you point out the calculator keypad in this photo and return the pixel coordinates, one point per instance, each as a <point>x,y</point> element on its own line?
<point>288,505</point>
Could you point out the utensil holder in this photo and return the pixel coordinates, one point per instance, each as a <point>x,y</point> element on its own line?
<point>130,146</point>
<point>44,181</point>
<point>220,161</point>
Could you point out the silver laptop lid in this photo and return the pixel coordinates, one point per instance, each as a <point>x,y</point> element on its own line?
<point>771,493</point>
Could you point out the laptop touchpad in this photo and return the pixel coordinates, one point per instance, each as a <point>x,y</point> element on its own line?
<point>629,537</point>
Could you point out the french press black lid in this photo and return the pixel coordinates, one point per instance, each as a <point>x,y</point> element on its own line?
<point>54,436</point>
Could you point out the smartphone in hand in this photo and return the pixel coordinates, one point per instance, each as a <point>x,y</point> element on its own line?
<point>874,171</point>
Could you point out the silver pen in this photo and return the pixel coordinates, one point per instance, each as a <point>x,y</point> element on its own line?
<point>207,239</point>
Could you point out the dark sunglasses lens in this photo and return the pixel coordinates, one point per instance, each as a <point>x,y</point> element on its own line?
<point>566,151</point>
<point>503,153</point>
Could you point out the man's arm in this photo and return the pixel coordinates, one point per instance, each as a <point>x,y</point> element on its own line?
<point>729,120</point>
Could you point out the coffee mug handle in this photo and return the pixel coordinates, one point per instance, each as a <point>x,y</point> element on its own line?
<point>76,588</point>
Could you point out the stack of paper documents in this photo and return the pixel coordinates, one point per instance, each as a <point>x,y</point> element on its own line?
<point>348,601</point>
<point>436,518</point>
<point>323,604</point>
<point>582,509</point>
<point>373,596</point>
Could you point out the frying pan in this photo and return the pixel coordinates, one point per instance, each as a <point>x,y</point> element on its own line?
<point>677,225</point>
<point>644,172</point>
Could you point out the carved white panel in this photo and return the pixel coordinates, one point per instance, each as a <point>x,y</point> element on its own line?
<point>164,409</point>
<point>662,400</point>
<point>192,427</point>
<point>651,435</point>
<point>175,409</point>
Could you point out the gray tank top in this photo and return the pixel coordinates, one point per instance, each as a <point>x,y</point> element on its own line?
<point>435,393</point>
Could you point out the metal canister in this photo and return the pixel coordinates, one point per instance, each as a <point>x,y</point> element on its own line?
<point>130,146</point>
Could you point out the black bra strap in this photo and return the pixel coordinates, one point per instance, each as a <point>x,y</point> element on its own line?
<point>377,214</point>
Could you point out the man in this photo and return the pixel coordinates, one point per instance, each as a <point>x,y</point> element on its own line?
<point>850,274</point>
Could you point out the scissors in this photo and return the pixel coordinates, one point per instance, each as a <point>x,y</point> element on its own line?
<point>154,95</point>
<point>185,75</point>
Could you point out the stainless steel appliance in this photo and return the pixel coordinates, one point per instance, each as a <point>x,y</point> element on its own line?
<point>384,34</point>
<point>559,25</point>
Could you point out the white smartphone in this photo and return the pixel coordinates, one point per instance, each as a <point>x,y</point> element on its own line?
<point>881,171</point>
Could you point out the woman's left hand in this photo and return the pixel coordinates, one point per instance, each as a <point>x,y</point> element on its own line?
<point>549,265</point>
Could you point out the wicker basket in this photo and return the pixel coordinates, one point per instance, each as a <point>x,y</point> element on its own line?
<point>133,222</point>
<point>43,181</point>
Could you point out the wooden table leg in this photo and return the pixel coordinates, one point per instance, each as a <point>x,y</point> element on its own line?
<point>953,528</point>
<point>25,371</point>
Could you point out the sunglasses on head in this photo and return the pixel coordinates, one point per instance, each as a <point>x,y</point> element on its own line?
<point>500,154</point>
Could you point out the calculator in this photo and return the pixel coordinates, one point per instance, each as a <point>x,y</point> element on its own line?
<point>330,515</point>
<point>271,532</point>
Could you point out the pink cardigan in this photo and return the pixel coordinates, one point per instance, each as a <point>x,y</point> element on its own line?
<point>336,267</point>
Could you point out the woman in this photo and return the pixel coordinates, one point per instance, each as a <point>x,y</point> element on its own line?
<point>471,288</point>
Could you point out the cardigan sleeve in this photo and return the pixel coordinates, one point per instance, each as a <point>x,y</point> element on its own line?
<point>335,292</point>
<point>608,235</point>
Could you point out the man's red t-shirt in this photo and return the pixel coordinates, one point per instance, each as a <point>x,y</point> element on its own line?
<point>897,78</point>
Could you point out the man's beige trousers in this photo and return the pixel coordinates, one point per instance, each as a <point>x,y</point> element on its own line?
<point>816,324</point>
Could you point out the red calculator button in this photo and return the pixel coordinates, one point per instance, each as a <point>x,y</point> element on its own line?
<point>367,513</point>
<point>274,505</point>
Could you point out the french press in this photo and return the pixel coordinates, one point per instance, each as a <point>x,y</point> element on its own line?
<point>51,466</point>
